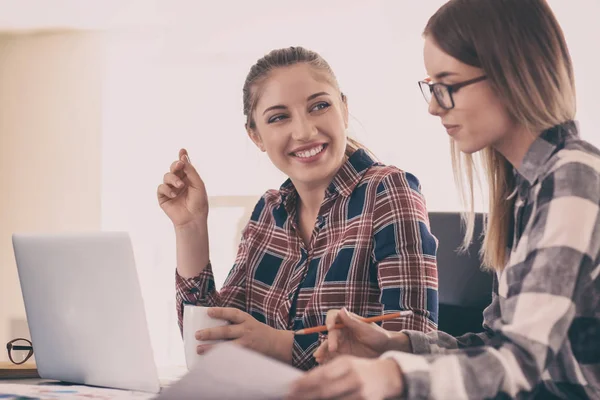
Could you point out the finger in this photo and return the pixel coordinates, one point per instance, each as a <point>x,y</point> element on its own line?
<point>351,325</point>
<point>165,191</point>
<point>204,348</point>
<point>183,156</point>
<point>177,167</point>
<point>333,334</point>
<point>173,180</point>
<point>352,321</point>
<point>323,355</point>
<point>331,319</point>
<point>226,332</point>
<point>232,315</point>
<point>326,358</point>
<point>321,351</point>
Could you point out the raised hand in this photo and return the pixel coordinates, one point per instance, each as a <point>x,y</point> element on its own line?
<point>182,195</point>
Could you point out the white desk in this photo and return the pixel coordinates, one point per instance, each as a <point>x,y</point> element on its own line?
<point>40,387</point>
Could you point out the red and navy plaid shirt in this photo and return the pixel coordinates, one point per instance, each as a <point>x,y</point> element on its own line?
<point>371,251</point>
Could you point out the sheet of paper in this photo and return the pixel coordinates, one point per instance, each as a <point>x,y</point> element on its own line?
<point>70,392</point>
<point>232,372</point>
<point>168,375</point>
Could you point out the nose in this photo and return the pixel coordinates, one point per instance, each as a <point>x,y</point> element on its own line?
<point>434,107</point>
<point>303,129</point>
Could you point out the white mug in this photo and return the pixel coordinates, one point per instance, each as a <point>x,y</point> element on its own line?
<point>196,318</point>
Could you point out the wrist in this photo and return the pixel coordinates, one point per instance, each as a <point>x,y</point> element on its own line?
<point>193,227</point>
<point>393,378</point>
<point>400,342</point>
<point>192,251</point>
<point>281,345</point>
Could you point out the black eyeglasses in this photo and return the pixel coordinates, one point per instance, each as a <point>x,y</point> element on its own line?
<point>443,93</point>
<point>19,350</point>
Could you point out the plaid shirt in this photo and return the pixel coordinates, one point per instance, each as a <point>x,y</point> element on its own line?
<point>371,251</point>
<point>542,329</point>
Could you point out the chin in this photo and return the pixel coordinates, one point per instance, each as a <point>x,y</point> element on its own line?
<point>324,171</point>
<point>469,147</point>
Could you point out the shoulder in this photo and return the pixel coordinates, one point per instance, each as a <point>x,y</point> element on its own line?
<point>397,194</point>
<point>573,172</point>
<point>389,178</point>
<point>265,205</point>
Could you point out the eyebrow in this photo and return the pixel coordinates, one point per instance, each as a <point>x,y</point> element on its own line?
<point>309,98</point>
<point>444,74</point>
<point>314,96</point>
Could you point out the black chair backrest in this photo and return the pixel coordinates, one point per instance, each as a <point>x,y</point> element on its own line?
<point>464,289</point>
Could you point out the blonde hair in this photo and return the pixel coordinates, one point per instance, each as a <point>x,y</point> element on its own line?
<point>285,57</point>
<point>521,47</point>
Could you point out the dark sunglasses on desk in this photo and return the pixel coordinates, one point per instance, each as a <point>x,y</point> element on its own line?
<point>19,350</point>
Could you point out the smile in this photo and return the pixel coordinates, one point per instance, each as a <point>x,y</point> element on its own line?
<point>309,152</point>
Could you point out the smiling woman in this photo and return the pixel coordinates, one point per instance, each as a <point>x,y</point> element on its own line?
<point>342,231</point>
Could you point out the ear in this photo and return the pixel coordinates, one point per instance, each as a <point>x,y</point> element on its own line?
<point>345,109</point>
<point>255,137</point>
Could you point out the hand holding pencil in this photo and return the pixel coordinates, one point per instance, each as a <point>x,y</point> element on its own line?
<point>323,328</point>
<point>349,334</point>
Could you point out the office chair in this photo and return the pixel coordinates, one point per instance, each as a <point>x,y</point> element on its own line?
<point>464,289</point>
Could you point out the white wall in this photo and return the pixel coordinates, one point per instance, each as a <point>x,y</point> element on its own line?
<point>180,86</point>
<point>50,99</point>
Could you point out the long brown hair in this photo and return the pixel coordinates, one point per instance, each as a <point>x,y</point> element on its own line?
<point>521,47</point>
<point>285,57</point>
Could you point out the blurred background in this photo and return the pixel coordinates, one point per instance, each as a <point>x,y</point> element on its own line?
<point>97,97</point>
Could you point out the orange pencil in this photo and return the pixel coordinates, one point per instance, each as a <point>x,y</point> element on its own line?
<point>385,317</point>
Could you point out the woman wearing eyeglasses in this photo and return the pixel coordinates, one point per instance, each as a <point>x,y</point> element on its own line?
<point>501,82</point>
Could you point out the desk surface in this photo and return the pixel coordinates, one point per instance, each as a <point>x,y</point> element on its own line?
<point>51,389</point>
<point>9,370</point>
<point>43,389</point>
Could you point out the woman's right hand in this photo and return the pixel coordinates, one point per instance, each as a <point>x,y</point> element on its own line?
<point>182,195</point>
<point>357,338</point>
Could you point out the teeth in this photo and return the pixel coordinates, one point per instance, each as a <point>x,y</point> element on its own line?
<point>309,153</point>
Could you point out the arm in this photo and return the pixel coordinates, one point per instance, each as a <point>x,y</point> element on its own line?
<point>405,253</point>
<point>438,342</point>
<point>553,261</point>
<point>201,290</point>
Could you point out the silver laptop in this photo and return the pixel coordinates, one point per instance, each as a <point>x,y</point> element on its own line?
<point>85,310</point>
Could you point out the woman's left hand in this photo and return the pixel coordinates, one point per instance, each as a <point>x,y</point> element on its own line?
<point>246,331</point>
<point>348,377</point>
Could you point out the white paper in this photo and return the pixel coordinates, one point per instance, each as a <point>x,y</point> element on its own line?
<point>229,371</point>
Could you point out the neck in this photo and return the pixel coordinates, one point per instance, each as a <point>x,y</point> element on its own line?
<point>515,145</point>
<point>311,194</point>
<point>311,197</point>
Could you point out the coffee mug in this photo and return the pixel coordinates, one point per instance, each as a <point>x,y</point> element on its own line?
<point>196,318</point>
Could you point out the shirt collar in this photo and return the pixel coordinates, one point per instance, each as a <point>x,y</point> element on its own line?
<point>344,181</point>
<point>544,146</point>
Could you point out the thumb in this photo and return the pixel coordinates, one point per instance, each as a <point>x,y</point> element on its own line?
<point>352,322</point>
<point>183,156</point>
<point>189,169</point>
